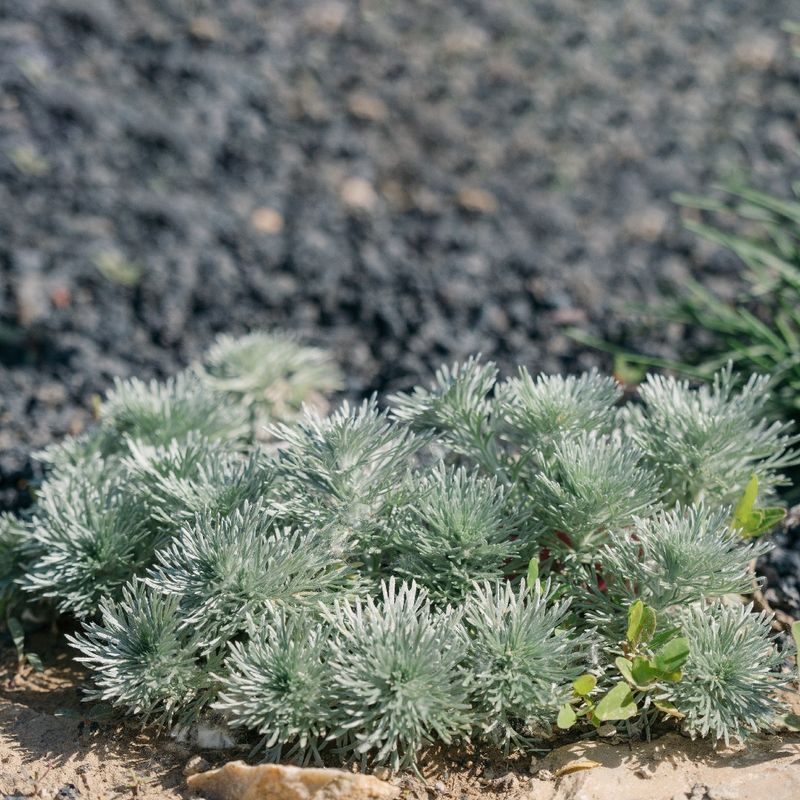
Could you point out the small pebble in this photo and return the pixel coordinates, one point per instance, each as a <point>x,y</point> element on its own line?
<point>326,17</point>
<point>195,765</point>
<point>367,107</point>
<point>476,200</point>
<point>358,195</point>
<point>204,29</point>
<point>267,220</point>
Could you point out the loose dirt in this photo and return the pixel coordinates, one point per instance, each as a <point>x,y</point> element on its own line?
<point>46,754</point>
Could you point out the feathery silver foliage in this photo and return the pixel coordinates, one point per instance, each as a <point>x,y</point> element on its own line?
<point>396,669</point>
<point>270,373</point>
<point>705,443</point>
<point>730,678</point>
<point>678,557</point>
<point>144,661</point>
<point>523,657</point>
<point>458,408</point>
<point>278,684</point>
<point>456,531</point>
<point>589,486</point>
<point>226,568</point>
<point>537,412</point>
<point>89,537</point>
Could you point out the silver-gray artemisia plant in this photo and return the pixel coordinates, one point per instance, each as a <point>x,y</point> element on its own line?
<point>478,559</point>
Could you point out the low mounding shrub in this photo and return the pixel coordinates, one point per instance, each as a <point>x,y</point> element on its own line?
<point>484,558</point>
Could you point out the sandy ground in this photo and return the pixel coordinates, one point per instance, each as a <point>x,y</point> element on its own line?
<point>45,753</point>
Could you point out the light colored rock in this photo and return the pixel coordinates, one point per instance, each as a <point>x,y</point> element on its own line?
<point>476,200</point>
<point>204,29</point>
<point>238,781</point>
<point>358,194</point>
<point>267,220</point>
<point>647,225</point>
<point>326,17</point>
<point>757,52</point>
<point>367,107</point>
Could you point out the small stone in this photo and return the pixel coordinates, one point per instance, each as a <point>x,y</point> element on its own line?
<point>61,298</point>
<point>382,773</point>
<point>465,41</point>
<point>545,775</point>
<point>68,792</point>
<point>757,52</point>
<point>32,305</point>
<point>606,730</point>
<point>326,17</point>
<point>477,201</point>
<point>396,194</point>
<point>647,225</point>
<point>439,788</point>
<point>505,783</point>
<point>367,107</point>
<point>204,29</point>
<point>267,220</point>
<point>723,793</point>
<point>51,393</point>
<point>569,315</point>
<point>28,161</point>
<point>238,781</point>
<point>358,195</point>
<point>195,765</point>
<point>425,200</point>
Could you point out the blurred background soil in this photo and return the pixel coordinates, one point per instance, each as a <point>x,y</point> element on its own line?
<point>403,182</point>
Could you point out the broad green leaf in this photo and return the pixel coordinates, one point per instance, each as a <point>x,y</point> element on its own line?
<point>584,685</point>
<point>641,623</point>
<point>624,666</point>
<point>644,671</point>
<point>566,717</point>
<point>762,520</point>
<point>672,656</point>
<point>752,521</point>
<point>618,704</point>
<point>533,574</point>
<point>635,614</point>
<point>662,637</point>
<point>648,624</point>
<point>746,504</point>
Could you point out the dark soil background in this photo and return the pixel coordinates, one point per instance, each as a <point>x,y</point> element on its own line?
<point>404,182</point>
